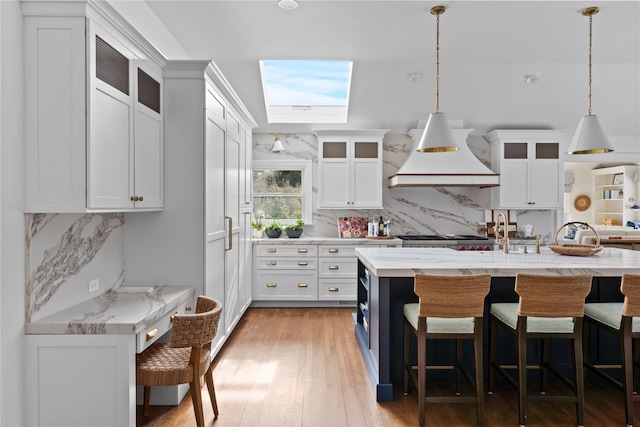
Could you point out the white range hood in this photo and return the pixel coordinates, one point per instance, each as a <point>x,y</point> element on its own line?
<point>449,169</point>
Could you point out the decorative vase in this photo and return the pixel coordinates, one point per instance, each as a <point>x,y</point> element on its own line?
<point>273,233</point>
<point>257,234</point>
<point>294,234</point>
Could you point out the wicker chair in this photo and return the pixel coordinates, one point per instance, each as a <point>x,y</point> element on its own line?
<point>449,307</point>
<point>622,320</point>
<point>550,307</point>
<point>186,358</point>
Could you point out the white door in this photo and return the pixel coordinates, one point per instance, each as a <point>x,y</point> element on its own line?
<point>232,231</point>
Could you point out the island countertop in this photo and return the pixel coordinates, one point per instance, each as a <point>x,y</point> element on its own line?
<point>406,262</point>
<point>114,312</point>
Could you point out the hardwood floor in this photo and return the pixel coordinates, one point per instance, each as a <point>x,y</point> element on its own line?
<point>302,367</point>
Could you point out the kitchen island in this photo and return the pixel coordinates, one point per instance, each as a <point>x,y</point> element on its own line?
<point>385,284</point>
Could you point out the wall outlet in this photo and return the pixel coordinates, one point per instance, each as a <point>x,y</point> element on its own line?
<point>94,285</point>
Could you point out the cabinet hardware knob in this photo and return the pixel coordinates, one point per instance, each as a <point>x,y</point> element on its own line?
<point>187,308</point>
<point>172,316</point>
<point>152,333</point>
<point>271,285</point>
<point>334,289</point>
<point>333,251</point>
<point>333,267</point>
<point>302,285</point>
<point>140,199</point>
<point>272,262</point>
<point>303,263</point>
<point>133,199</point>
<point>271,250</point>
<point>302,251</point>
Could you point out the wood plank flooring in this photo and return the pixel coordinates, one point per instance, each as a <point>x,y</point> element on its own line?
<point>302,367</point>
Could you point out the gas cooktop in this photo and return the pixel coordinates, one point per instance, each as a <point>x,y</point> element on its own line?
<point>438,237</point>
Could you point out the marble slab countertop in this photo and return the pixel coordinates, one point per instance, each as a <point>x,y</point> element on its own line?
<point>406,262</point>
<point>326,241</point>
<point>114,312</point>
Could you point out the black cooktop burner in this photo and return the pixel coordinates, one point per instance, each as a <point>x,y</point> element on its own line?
<point>436,237</point>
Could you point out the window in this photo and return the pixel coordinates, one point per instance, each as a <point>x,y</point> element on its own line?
<point>282,190</point>
<point>306,91</point>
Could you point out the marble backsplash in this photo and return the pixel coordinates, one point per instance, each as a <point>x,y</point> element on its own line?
<point>64,252</point>
<point>412,210</point>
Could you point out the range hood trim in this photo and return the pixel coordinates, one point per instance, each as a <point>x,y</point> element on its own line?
<point>434,169</point>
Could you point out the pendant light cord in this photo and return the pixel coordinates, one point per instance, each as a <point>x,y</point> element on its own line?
<point>438,63</point>
<point>590,48</point>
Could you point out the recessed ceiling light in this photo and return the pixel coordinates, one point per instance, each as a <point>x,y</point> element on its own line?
<point>414,77</point>
<point>531,78</point>
<point>288,4</point>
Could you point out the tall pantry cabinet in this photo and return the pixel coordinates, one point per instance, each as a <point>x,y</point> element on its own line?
<point>201,238</point>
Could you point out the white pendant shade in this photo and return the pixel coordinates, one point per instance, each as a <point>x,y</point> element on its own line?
<point>277,145</point>
<point>437,136</point>
<point>590,137</point>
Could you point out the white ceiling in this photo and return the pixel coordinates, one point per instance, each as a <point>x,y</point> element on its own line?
<point>486,49</point>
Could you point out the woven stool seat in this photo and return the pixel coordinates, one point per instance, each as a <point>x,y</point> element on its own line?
<point>186,358</point>
<point>163,365</point>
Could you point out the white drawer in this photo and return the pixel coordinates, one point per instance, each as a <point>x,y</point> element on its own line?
<point>160,327</point>
<point>286,250</point>
<point>286,263</point>
<point>286,285</point>
<point>338,268</point>
<point>337,290</point>
<point>337,250</point>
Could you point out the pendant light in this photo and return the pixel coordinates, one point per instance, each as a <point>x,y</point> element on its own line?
<point>437,136</point>
<point>590,137</point>
<point>277,145</point>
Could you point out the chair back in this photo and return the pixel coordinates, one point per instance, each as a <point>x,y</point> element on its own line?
<point>552,295</point>
<point>630,287</point>
<point>199,329</point>
<point>451,296</point>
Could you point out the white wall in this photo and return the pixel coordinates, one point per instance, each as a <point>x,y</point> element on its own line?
<point>12,226</point>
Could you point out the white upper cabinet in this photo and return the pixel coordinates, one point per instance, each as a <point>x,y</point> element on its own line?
<point>531,168</point>
<point>94,122</point>
<point>350,169</point>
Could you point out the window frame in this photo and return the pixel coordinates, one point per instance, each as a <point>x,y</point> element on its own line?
<point>305,166</point>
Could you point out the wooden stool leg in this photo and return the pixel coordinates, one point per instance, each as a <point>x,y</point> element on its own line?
<point>522,371</point>
<point>212,391</point>
<point>405,357</point>
<point>147,397</point>
<point>422,371</point>
<point>493,333</point>
<point>477,346</point>
<point>196,398</point>
<point>458,365</point>
<point>627,366</point>
<point>544,361</point>
<point>579,370</point>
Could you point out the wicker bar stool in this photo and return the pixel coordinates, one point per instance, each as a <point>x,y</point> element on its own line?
<point>449,307</point>
<point>623,320</point>
<point>550,307</point>
<point>186,358</point>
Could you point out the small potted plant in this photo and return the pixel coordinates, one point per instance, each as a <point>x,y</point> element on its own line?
<point>273,228</point>
<point>257,228</point>
<point>294,230</point>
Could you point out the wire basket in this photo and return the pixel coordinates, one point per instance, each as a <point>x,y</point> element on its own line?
<point>574,249</point>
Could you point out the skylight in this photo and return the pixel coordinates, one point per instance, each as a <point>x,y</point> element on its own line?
<point>306,91</point>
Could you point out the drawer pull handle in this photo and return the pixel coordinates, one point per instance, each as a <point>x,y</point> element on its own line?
<point>334,289</point>
<point>272,262</point>
<point>303,285</point>
<point>333,251</point>
<point>303,263</point>
<point>333,267</point>
<point>172,316</point>
<point>271,250</point>
<point>187,308</point>
<point>302,251</point>
<point>271,285</point>
<point>152,333</point>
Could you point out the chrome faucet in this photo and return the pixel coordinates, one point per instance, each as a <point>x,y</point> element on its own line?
<point>537,239</point>
<point>504,241</point>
